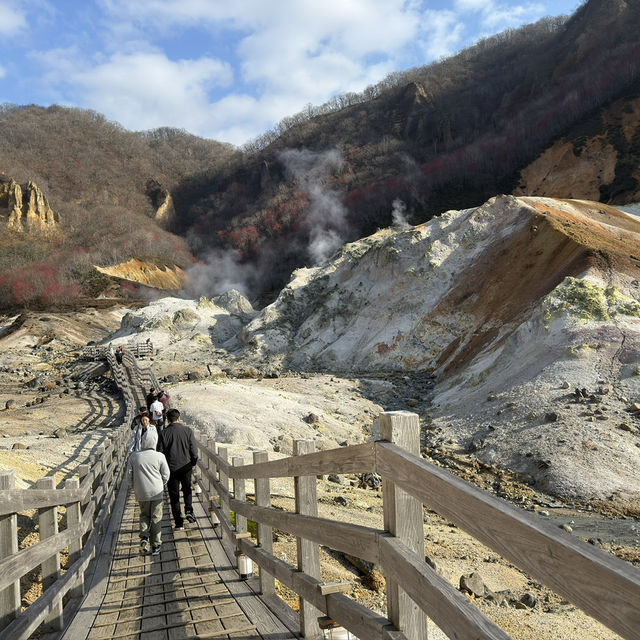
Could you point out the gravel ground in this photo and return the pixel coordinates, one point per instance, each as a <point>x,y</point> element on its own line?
<point>268,413</point>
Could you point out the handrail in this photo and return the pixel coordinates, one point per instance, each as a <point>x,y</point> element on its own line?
<point>96,488</point>
<point>610,594</point>
<point>602,585</point>
<point>99,352</point>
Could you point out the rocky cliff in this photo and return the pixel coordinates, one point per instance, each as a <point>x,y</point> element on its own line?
<point>513,306</point>
<point>25,209</point>
<point>598,158</point>
<point>167,278</point>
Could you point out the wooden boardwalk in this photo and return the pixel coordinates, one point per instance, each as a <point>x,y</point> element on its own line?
<point>190,590</point>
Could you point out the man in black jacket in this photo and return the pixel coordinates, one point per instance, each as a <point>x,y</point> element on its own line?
<point>179,446</point>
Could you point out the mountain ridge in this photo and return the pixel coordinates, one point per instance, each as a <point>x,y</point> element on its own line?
<point>549,109</point>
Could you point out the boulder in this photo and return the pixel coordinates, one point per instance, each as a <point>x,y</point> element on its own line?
<point>472,583</point>
<point>374,580</point>
<point>528,600</point>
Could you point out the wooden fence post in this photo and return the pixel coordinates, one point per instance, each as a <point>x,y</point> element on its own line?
<point>83,472</point>
<point>74,515</point>
<point>48,521</point>
<point>211,468</point>
<point>265,533</point>
<point>244,564</point>
<point>239,493</point>
<point>403,518</point>
<point>308,552</point>
<point>224,481</point>
<point>9,597</point>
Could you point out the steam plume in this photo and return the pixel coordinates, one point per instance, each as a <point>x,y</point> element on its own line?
<point>327,217</point>
<point>221,270</point>
<point>398,214</point>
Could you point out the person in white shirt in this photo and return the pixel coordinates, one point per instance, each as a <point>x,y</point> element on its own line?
<point>157,413</point>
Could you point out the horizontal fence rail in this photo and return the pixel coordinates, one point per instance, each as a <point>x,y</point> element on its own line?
<point>602,585</point>
<point>88,500</point>
<point>99,352</point>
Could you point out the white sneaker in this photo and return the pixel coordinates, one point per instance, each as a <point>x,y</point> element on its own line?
<point>144,546</point>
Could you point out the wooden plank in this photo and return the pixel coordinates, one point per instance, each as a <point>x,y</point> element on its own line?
<point>155,616</point>
<point>308,551</point>
<point>224,632</point>
<point>10,595</point>
<point>220,489</point>
<point>104,609</point>
<point>265,532</point>
<point>223,485</point>
<point>600,584</point>
<point>354,459</point>
<point>239,493</point>
<point>349,538</point>
<point>183,582</point>
<point>208,565</point>
<point>175,625</point>
<point>74,517</point>
<point>96,577</point>
<point>268,625</point>
<point>334,587</point>
<point>220,461</point>
<point>25,624</point>
<point>50,566</point>
<point>359,620</point>
<point>225,524</point>
<point>14,567</point>
<point>403,519</point>
<point>450,610</point>
<point>17,500</point>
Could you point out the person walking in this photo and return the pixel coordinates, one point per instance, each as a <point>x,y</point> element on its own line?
<point>163,396</point>
<point>151,397</point>
<point>141,429</point>
<point>148,471</point>
<point>179,446</point>
<point>157,414</point>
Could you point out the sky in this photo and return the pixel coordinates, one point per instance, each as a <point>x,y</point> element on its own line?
<point>230,69</point>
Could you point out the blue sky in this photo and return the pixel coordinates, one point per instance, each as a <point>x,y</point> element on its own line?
<point>230,69</point>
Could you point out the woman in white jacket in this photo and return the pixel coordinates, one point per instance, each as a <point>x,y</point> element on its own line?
<point>148,471</point>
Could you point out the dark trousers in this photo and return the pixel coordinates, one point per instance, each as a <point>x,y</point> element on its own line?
<point>177,479</point>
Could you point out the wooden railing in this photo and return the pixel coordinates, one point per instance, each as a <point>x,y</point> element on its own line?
<point>145,377</point>
<point>88,500</point>
<point>99,352</point>
<point>600,584</point>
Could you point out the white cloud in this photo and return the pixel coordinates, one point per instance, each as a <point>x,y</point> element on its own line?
<point>443,33</point>
<point>12,18</point>
<point>141,90</point>
<point>496,16</point>
<point>288,54</point>
<point>502,17</point>
<point>280,56</point>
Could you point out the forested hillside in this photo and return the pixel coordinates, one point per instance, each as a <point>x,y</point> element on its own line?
<point>104,183</point>
<point>529,110</point>
<point>448,135</point>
